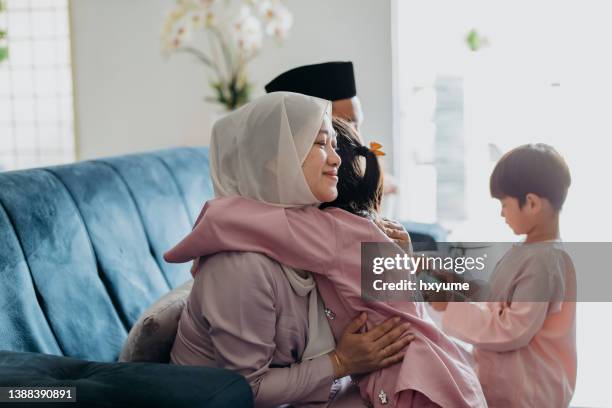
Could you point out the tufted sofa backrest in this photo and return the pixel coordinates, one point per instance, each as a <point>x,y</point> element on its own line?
<point>81,247</point>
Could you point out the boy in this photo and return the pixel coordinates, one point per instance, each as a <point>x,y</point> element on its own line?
<point>524,338</point>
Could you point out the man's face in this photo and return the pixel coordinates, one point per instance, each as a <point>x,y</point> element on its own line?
<point>349,110</point>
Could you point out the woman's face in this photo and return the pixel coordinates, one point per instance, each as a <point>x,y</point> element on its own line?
<point>321,164</point>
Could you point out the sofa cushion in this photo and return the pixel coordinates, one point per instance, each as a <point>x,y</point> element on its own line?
<point>131,273</point>
<point>151,338</point>
<point>160,207</point>
<point>55,244</point>
<point>125,384</point>
<point>23,325</point>
<point>81,247</point>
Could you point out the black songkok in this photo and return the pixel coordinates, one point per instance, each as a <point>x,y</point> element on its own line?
<point>329,80</point>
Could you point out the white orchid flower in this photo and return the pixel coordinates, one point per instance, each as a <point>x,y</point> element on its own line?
<point>247,32</point>
<point>277,18</point>
<point>235,30</point>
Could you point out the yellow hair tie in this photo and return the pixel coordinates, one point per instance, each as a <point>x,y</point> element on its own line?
<point>375,148</point>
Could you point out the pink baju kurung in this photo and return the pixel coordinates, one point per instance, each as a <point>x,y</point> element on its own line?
<point>328,243</point>
<point>257,328</point>
<point>525,350</point>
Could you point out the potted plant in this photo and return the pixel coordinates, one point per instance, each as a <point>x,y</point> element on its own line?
<point>234,31</point>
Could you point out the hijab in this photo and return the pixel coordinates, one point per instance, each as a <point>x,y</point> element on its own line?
<point>257,152</point>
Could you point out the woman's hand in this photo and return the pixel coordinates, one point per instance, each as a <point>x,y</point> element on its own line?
<point>360,353</point>
<point>397,233</point>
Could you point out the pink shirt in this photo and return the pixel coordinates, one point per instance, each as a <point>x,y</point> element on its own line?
<point>328,243</point>
<point>525,351</point>
<point>243,315</point>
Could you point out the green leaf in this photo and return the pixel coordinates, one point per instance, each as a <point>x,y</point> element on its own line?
<point>232,94</point>
<point>3,53</point>
<point>475,40</point>
<point>2,35</point>
<point>472,40</point>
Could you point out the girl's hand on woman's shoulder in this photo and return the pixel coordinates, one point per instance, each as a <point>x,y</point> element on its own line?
<point>397,233</point>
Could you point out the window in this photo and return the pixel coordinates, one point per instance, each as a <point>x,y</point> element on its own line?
<point>459,110</point>
<point>544,77</point>
<point>36,98</point>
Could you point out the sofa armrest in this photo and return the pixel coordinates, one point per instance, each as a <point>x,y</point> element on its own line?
<point>125,384</point>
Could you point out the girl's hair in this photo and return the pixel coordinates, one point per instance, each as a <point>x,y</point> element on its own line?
<point>359,190</point>
<point>532,168</point>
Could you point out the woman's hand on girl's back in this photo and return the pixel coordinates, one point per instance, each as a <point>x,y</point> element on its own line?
<point>360,353</point>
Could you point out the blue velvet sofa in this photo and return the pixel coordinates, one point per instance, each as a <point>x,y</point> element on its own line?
<point>80,259</point>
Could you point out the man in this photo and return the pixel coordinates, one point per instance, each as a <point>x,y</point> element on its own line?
<point>334,81</point>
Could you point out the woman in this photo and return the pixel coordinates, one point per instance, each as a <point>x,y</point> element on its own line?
<point>433,373</point>
<point>249,313</point>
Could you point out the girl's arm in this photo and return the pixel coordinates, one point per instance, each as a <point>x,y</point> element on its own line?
<point>303,238</point>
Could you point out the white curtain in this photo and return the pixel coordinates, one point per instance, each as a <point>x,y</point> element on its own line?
<point>545,77</point>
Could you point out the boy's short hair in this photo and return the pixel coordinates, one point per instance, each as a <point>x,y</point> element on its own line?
<point>532,168</point>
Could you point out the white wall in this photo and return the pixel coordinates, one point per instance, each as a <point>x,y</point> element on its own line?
<point>129,98</point>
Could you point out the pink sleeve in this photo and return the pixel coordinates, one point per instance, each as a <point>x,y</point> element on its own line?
<point>303,238</point>
<point>493,325</point>
<point>243,333</point>
<point>512,324</point>
<point>196,262</point>
<point>308,381</point>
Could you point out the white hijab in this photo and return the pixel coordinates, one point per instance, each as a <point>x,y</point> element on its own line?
<point>257,152</point>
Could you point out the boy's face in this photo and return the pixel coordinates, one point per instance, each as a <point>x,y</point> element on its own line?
<point>519,219</point>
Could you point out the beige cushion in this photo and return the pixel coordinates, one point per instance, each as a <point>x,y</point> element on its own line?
<point>152,336</point>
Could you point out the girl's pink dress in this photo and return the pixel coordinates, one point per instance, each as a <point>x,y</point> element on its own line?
<point>328,243</point>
